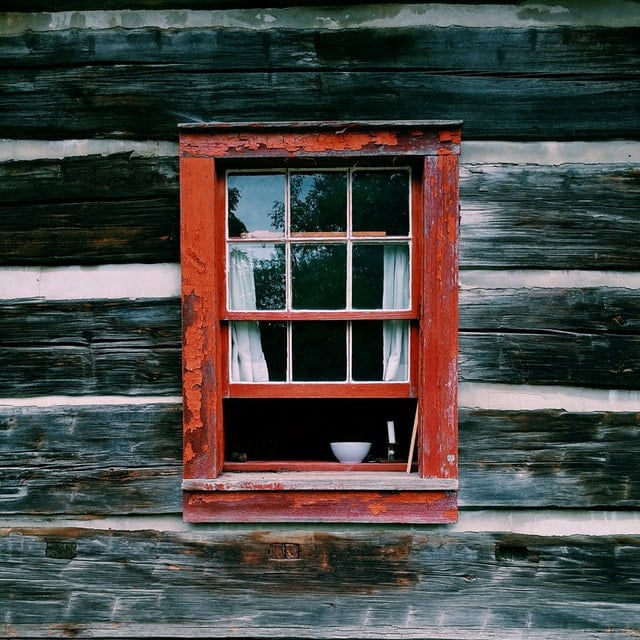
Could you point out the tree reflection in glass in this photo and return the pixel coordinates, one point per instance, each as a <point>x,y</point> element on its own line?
<point>319,275</point>
<point>251,202</point>
<point>381,201</point>
<point>318,201</point>
<point>319,351</point>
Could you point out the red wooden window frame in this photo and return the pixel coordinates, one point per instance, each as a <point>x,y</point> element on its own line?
<point>215,490</point>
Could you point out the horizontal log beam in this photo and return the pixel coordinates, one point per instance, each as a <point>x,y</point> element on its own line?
<point>119,459</point>
<point>93,178</point>
<point>122,208</point>
<point>227,583</point>
<point>556,50</point>
<point>108,101</point>
<point>600,361</point>
<point>567,217</point>
<point>575,337</point>
<point>609,362</point>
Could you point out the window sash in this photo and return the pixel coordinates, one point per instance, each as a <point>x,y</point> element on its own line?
<point>292,241</point>
<point>247,362</point>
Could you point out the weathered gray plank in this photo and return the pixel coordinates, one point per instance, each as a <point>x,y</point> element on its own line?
<point>91,460</point>
<point>82,323</point>
<point>116,368</point>
<point>587,310</point>
<point>133,101</point>
<point>549,458</point>
<point>122,208</point>
<point>96,232</point>
<point>113,347</point>
<point>84,5</point>
<point>119,459</point>
<point>91,437</point>
<point>225,583</point>
<point>610,362</point>
<point>600,361</point>
<point>582,337</point>
<point>94,178</point>
<point>568,217</point>
<point>92,209</point>
<point>554,50</point>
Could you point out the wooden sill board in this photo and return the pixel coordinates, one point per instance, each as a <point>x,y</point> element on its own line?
<point>319,481</point>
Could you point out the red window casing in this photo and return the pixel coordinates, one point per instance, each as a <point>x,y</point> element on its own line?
<point>216,489</point>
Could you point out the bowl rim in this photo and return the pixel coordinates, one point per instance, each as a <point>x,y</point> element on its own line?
<point>350,442</point>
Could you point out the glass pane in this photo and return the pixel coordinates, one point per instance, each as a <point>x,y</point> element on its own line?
<point>319,273</point>
<point>318,202</point>
<point>274,346</point>
<point>258,351</point>
<point>395,350</point>
<point>367,351</point>
<point>381,276</point>
<point>255,203</point>
<point>381,202</point>
<point>319,351</point>
<point>256,276</point>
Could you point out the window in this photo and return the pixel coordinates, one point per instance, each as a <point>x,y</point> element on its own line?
<point>319,289</point>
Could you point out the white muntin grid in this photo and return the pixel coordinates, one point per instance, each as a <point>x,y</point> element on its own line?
<point>269,240</point>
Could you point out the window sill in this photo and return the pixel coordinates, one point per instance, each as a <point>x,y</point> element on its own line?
<point>319,481</point>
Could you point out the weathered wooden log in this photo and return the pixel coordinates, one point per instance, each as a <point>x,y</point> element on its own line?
<point>134,347</point>
<point>98,232</point>
<point>610,362</point>
<point>570,217</point>
<point>148,101</point>
<point>93,178</point>
<point>115,347</point>
<point>399,583</point>
<point>120,459</point>
<point>584,310</point>
<point>555,50</point>
<point>123,208</point>
<point>548,458</point>
<point>91,209</point>
<point>114,368</point>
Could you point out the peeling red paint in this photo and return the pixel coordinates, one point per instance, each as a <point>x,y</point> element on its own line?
<point>449,136</point>
<point>299,139</point>
<point>376,508</point>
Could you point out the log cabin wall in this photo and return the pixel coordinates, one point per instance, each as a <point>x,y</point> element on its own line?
<point>92,543</point>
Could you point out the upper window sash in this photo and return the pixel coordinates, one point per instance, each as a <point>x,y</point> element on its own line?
<point>274,248</point>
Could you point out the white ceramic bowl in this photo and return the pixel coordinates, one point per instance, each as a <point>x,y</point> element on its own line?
<point>350,451</point>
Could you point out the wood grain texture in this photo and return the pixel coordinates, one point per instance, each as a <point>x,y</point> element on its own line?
<point>114,176</point>
<point>87,210</point>
<point>120,459</point>
<point>561,51</point>
<point>88,233</point>
<point>579,310</point>
<point>549,458</point>
<point>114,5</point>
<point>132,101</point>
<point>91,460</point>
<point>579,337</point>
<point>122,208</point>
<point>609,362</point>
<point>563,217</point>
<point>402,583</point>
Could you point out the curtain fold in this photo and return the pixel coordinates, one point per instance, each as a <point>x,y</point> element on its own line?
<point>395,333</point>
<point>248,363</point>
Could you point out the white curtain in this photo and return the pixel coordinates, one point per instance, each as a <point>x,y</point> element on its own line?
<point>248,363</point>
<point>395,333</point>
